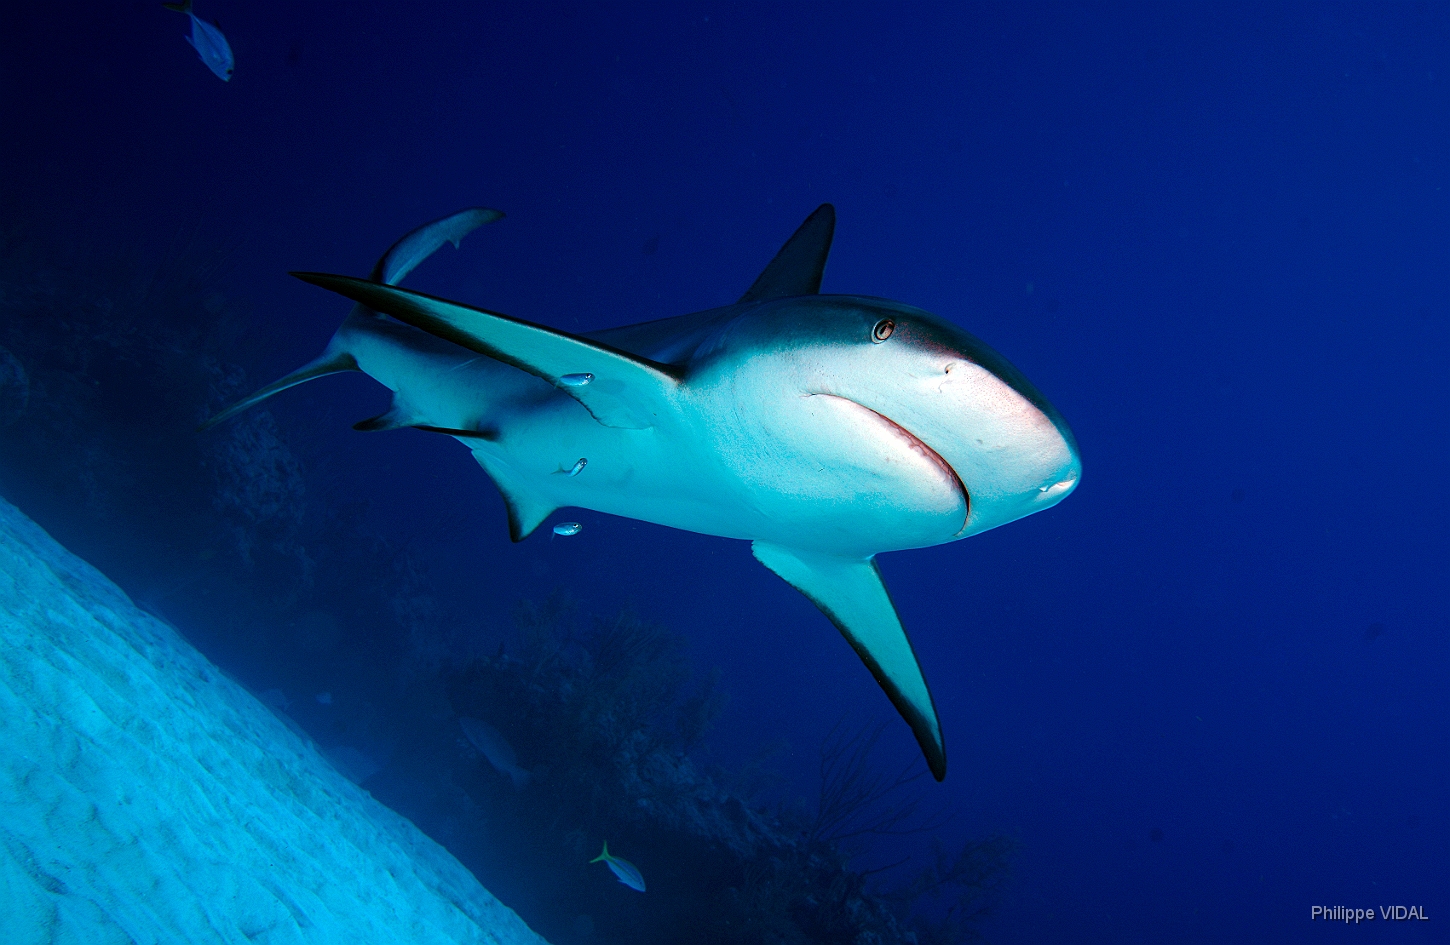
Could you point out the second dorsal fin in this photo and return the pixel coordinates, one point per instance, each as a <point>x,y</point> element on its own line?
<point>797,268</point>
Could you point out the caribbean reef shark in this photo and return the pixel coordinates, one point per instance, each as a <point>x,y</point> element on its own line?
<point>824,429</point>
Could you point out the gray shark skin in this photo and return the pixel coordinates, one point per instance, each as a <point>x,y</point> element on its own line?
<point>824,429</point>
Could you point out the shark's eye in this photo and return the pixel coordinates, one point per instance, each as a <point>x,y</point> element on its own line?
<point>883,330</point>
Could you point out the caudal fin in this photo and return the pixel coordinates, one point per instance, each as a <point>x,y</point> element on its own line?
<point>397,262</point>
<point>331,362</point>
<point>183,7</point>
<point>419,244</point>
<point>603,856</point>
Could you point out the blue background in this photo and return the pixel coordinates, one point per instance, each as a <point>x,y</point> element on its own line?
<point>1216,237</point>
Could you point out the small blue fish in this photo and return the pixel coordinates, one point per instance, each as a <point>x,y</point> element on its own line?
<point>566,529</point>
<point>578,467</point>
<point>623,870</point>
<point>208,42</point>
<point>576,380</point>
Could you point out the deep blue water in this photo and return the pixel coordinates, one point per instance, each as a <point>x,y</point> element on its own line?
<point>1206,692</point>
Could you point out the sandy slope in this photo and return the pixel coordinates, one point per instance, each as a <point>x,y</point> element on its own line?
<point>145,797</point>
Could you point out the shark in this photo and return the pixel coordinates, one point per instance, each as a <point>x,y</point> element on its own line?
<point>824,429</point>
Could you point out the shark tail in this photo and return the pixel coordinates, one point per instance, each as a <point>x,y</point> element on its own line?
<point>400,259</point>
<point>603,857</point>
<point>329,362</point>
<point>183,7</point>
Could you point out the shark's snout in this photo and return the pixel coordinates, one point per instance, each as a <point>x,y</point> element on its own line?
<point>1011,451</point>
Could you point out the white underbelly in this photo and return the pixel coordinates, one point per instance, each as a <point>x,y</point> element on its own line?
<point>887,492</point>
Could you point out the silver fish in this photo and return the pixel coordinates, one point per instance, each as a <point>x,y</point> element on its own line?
<point>568,529</point>
<point>208,42</point>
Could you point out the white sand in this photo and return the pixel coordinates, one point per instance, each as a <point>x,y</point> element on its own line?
<point>145,797</point>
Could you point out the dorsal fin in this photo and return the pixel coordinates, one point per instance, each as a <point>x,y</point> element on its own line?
<point>797,268</point>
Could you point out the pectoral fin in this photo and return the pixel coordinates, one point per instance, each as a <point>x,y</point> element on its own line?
<point>626,391</point>
<point>850,592</point>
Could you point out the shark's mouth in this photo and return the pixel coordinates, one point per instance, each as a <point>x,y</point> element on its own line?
<point>918,446</point>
